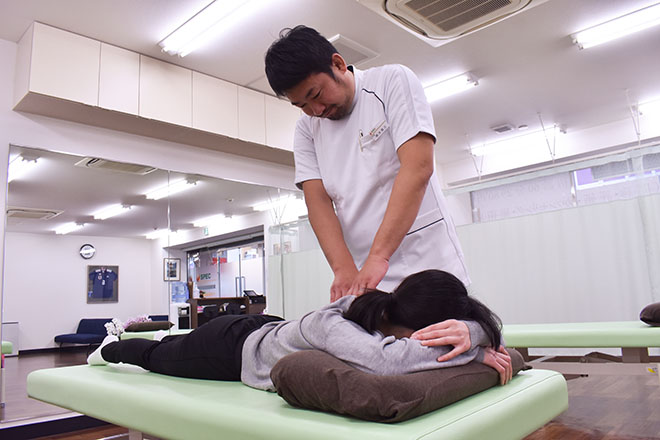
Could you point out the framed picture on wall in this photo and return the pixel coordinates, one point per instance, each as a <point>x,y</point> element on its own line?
<point>102,284</point>
<point>171,269</point>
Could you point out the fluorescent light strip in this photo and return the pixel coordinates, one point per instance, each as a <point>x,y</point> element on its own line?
<point>450,87</point>
<point>527,141</point>
<point>161,233</point>
<point>21,166</point>
<point>111,211</point>
<point>618,27</point>
<point>172,188</point>
<point>273,204</point>
<point>212,220</point>
<point>194,32</point>
<point>68,227</point>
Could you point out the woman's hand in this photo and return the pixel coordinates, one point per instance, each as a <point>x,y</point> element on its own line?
<point>449,332</point>
<point>500,361</point>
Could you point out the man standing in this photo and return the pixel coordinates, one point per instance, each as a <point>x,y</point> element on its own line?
<point>365,162</point>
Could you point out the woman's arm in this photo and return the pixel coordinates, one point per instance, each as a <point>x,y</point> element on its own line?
<point>376,354</point>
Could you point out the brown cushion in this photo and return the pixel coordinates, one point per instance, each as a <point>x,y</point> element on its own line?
<point>316,380</point>
<point>149,326</point>
<point>651,314</point>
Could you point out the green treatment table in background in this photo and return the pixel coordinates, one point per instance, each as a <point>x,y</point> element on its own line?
<point>634,338</point>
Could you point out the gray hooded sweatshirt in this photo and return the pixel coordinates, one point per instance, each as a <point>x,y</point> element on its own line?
<point>327,330</point>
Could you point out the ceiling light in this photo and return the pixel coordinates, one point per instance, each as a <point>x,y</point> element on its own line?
<point>273,204</point>
<point>534,140</point>
<point>618,27</point>
<point>212,220</point>
<point>161,233</point>
<point>172,188</point>
<point>202,27</point>
<point>450,87</point>
<point>20,166</point>
<point>111,211</point>
<point>68,227</point>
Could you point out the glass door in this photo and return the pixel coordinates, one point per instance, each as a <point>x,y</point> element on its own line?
<point>241,268</point>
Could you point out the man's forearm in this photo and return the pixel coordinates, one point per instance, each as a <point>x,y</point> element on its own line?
<point>326,226</point>
<point>406,197</point>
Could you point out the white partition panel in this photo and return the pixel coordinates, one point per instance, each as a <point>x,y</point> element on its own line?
<point>593,263</point>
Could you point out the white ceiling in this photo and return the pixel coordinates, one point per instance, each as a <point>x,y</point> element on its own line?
<point>526,64</point>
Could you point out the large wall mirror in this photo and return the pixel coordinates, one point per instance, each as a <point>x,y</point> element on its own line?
<point>200,229</point>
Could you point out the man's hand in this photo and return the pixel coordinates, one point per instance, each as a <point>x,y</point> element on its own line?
<point>500,361</point>
<point>342,283</point>
<point>370,275</point>
<point>449,332</point>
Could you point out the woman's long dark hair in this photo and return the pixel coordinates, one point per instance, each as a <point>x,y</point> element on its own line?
<point>423,299</point>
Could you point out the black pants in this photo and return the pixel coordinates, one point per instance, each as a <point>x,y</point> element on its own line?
<point>212,351</point>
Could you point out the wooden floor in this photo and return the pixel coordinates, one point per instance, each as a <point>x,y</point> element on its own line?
<point>18,405</point>
<point>600,407</point>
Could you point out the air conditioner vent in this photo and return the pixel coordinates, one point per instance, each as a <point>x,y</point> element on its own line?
<point>102,164</point>
<point>32,213</point>
<point>352,52</point>
<point>440,21</point>
<point>449,15</point>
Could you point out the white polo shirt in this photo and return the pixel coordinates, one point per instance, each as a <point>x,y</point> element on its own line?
<point>356,159</point>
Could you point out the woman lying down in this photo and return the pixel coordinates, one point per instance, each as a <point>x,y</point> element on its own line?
<point>371,332</point>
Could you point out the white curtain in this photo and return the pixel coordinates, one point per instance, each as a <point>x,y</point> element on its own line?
<point>591,263</point>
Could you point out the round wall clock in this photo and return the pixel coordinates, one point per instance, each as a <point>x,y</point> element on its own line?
<point>87,251</point>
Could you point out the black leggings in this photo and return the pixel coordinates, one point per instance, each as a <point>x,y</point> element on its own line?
<point>212,351</point>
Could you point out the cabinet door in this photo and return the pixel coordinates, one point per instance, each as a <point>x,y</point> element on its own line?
<point>215,105</point>
<point>251,116</point>
<point>165,92</point>
<point>119,79</point>
<point>281,119</point>
<point>64,65</point>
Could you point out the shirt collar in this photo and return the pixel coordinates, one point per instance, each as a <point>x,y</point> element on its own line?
<point>357,79</point>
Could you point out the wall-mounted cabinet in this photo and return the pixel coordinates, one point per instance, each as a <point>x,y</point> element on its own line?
<point>67,76</point>
<point>215,105</point>
<point>165,92</point>
<point>59,64</point>
<point>281,116</point>
<point>251,116</point>
<point>119,79</point>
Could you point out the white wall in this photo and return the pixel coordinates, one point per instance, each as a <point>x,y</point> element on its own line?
<point>46,283</point>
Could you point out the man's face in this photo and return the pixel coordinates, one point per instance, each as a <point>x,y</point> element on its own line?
<point>323,96</point>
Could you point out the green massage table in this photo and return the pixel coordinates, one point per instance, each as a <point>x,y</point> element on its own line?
<point>177,408</point>
<point>7,348</point>
<point>634,338</point>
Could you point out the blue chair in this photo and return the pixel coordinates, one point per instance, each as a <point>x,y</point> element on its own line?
<point>90,331</point>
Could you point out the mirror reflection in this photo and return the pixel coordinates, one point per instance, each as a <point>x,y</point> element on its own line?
<point>89,240</point>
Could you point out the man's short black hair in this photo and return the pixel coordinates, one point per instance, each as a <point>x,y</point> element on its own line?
<point>298,53</point>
